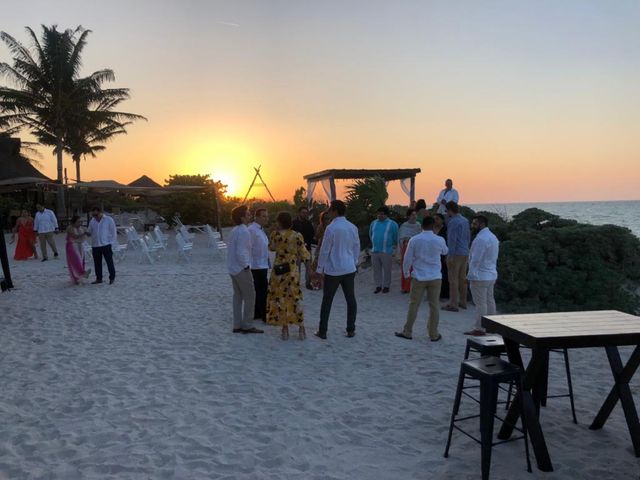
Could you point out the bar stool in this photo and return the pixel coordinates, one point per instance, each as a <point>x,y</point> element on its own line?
<point>487,346</point>
<point>490,372</point>
<point>493,345</point>
<point>565,354</point>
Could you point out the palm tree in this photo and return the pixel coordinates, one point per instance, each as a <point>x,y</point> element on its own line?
<point>364,197</point>
<point>53,102</point>
<point>45,79</point>
<point>96,122</point>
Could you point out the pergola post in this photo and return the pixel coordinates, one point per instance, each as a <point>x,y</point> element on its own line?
<point>332,187</point>
<point>412,191</point>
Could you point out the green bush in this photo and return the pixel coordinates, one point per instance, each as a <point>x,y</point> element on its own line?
<point>566,266</point>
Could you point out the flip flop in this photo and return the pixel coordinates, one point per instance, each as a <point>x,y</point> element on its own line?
<point>402,335</point>
<point>252,330</point>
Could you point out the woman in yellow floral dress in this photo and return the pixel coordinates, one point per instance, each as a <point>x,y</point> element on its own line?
<point>283,299</point>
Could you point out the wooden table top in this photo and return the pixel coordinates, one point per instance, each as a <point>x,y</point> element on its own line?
<point>567,329</point>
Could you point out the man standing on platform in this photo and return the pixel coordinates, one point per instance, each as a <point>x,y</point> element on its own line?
<point>483,271</point>
<point>260,262</point>
<point>458,238</point>
<point>338,262</point>
<point>45,225</point>
<point>303,226</point>
<point>447,194</point>
<point>239,268</point>
<point>383,233</point>
<point>423,259</point>
<point>103,233</point>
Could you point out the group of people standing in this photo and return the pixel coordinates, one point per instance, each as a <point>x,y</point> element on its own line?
<point>435,250</point>
<point>277,299</point>
<point>101,231</point>
<point>444,245</point>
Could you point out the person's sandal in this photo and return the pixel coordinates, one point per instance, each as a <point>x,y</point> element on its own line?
<point>403,335</point>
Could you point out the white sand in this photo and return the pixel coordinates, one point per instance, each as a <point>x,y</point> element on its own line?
<point>144,380</point>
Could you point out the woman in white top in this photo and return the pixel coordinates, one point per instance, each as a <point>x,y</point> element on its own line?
<point>407,230</point>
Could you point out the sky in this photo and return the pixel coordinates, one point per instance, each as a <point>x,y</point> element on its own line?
<point>516,101</point>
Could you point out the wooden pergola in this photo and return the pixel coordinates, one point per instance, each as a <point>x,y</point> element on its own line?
<point>330,177</point>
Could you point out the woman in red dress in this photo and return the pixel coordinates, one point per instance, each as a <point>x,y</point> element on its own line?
<point>26,246</point>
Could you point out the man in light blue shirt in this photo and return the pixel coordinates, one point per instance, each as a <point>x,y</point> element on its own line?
<point>458,238</point>
<point>383,233</point>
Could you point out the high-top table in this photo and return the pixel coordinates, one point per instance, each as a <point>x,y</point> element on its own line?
<point>545,331</point>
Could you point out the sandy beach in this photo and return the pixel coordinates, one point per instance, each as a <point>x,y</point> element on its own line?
<point>143,379</point>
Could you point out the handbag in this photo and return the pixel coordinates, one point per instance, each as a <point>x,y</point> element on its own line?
<point>282,268</point>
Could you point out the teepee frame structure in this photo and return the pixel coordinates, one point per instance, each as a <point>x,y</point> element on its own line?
<point>253,183</point>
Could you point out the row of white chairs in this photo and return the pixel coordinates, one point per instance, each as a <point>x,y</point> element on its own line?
<point>119,250</point>
<point>154,243</point>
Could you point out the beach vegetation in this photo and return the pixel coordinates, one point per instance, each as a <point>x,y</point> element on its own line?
<point>196,207</point>
<point>364,196</point>
<point>548,263</point>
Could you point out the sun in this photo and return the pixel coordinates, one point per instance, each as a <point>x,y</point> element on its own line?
<point>226,158</point>
<point>228,180</point>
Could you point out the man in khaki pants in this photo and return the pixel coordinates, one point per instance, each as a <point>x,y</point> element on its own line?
<point>458,237</point>
<point>45,225</point>
<point>422,258</point>
<point>239,268</point>
<point>483,271</point>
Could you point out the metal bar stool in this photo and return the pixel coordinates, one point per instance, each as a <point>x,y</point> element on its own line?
<point>494,345</point>
<point>565,355</point>
<point>488,346</point>
<point>490,372</point>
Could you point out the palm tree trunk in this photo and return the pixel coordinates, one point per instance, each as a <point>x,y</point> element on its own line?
<point>76,159</point>
<point>60,206</point>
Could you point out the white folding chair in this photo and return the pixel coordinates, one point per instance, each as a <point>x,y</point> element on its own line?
<point>161,238</point>
<point>145,253</point>
<point>87,250</point>
<point>133,239</point>
<point>184,248</point>
<point>188,236</point>
<point>119,251</point>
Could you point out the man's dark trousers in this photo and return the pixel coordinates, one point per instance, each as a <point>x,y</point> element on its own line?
<point>98,253</point>
<point>261,285</point>
<point>331,284</point>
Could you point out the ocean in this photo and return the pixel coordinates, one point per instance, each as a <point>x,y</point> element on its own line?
<point>623,213</point>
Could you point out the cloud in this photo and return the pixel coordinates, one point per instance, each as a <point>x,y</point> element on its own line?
<point>228,24</point>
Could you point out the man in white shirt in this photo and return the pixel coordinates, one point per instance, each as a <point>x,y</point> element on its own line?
<point>239,268</point>
<point>260,262</point>
<point>338,263</point>
<point>483,271</point>
<point>447,194</point>
<point>423,259</point>
<point>103,233</point>
<point>45,225</point>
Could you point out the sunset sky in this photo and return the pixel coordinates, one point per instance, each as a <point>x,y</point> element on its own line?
<point>515,100</point>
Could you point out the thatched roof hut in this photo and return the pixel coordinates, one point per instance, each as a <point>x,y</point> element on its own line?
<point>14,168</point>
<point>145,182</point>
